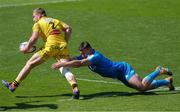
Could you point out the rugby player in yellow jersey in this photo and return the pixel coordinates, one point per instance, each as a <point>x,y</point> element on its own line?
<point>55,35</point>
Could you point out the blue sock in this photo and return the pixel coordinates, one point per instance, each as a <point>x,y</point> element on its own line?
<point>159,83</point>
<point>152,76</point>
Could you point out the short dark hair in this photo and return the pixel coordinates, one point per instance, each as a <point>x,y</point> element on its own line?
<point>40,11</point>
<point>84,45</point>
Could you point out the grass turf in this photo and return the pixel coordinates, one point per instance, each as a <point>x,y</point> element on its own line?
<point>142,32</point>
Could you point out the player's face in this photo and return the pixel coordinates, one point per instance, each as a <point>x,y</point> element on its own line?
<point>85,52</point>
<point>36,16</point>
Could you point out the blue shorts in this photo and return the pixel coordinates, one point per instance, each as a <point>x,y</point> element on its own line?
<point>126,73</point>
<point>129,72</point>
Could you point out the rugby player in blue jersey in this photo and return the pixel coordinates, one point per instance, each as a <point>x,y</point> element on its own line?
<point>122,71</point>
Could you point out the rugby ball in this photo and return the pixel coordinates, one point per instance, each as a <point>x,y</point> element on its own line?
<point>23,44</point>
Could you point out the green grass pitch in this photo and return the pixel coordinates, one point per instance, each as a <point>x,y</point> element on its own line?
<point>144,33</point>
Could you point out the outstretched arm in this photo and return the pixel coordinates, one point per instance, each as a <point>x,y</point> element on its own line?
<point>73,64</point>
<point>31,41</point>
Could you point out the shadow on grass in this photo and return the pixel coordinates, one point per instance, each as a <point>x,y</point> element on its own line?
<point>110,94</point>
<point>26,105</point>
<point>44,96</point>
<point>117,94</point>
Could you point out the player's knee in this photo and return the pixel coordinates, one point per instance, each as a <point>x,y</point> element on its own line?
<point>30,64</point>
<point>145,83</point>
<point>66,73</point>
<point>140,88</point>
<point>63,70</point>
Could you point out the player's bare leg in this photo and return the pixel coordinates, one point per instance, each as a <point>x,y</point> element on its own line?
<point>149,83</point>
<point>136,83</point>
<point>71,79</point>
<point>148,80</point>
<point>34,61</point>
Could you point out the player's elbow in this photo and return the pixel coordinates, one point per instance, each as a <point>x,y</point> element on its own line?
<point>68,30</point>
<point>79,64</point>
<point>75,64</point>
<point>84,63</point>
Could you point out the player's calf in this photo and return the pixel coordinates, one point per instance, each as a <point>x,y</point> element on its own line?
<point>146,83</point>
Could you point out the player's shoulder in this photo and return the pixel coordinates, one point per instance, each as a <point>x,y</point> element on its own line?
<point>35,25</point>
<point>94,57</point>
<point>96,53</point>
<point>54,19</point>
<point>47,20</point>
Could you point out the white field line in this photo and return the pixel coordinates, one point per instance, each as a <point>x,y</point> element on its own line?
<point>36,3</point>
<point>119,83</point>
<point>99,81</point>
<point>164,88</point>
<point>116,83</point>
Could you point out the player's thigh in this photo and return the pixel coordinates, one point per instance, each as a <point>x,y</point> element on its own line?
<point>34,57</point>
<point>136,82</point>
<point>49,51</point>
<point>35,60</point>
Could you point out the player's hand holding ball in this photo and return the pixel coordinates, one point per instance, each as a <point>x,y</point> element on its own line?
<point>24,48</point>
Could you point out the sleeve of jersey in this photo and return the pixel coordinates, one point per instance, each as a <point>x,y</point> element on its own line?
<point>79,57</point>
<point>93,58</point>
<point>63,25</point>
<point>36,27</point>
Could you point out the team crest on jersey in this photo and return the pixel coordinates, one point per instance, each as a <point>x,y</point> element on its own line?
<point>92,67</point>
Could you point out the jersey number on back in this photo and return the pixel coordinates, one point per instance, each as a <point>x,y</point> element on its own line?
<point>49,20</point>
<point>53,26</point>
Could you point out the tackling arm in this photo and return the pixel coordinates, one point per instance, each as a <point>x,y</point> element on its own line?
<point>73,64</point>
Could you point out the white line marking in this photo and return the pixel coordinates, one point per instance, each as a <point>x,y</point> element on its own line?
<point>70,99</point>
<point>65,100</point>
<point>37,3</point>
<point>164,88</point>
<point>99,81</point>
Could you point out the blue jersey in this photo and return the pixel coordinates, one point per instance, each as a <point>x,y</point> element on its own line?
<point>107,68</point>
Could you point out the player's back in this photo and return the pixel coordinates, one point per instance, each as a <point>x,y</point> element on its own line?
<point>48,27</point>
<point>104,66</point>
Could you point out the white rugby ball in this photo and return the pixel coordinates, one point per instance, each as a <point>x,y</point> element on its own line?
<point>23,44</point>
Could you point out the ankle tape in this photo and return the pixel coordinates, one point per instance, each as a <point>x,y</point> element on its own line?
<point>74,85</point>
<point>15,83</point>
